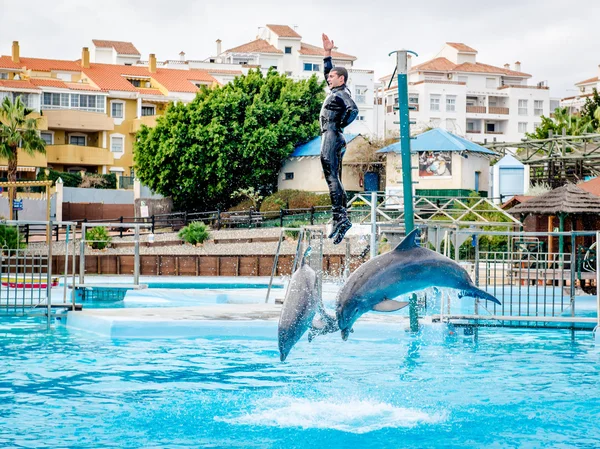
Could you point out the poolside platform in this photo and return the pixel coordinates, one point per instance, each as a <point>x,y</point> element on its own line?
<point>195,322</point>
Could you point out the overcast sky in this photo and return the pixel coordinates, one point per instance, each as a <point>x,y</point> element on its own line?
<point>556,41</point>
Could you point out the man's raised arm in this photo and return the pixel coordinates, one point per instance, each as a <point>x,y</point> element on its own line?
<point>327,47</point>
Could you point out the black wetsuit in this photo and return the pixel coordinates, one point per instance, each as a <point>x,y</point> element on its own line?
<point>338,111</point>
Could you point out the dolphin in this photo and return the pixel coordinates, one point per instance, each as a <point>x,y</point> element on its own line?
<point>300,306</point>
<point>406,269</point>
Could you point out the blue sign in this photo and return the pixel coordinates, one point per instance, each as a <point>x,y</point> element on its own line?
<point>1,189</point>
<point>17,204</point>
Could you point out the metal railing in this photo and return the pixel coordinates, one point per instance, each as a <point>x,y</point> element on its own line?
<point>26,272</point>
<point>537,286</point>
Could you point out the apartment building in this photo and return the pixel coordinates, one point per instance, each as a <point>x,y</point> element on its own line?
<point>91,111</point>
<point>469,98</point>
<point>585,90</point>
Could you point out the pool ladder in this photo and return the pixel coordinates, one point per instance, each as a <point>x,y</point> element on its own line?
<point>313,236</point>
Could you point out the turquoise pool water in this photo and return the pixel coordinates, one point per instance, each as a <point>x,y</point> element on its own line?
<point>382,388</point>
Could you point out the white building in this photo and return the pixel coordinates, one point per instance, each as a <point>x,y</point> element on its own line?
<point>479,101</point>
<point>586,89</point>
<point>281,47</point>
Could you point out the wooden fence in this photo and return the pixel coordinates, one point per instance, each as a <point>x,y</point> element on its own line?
<point>196,265</point>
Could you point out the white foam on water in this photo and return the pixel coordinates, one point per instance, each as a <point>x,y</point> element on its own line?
<point>354,416</point>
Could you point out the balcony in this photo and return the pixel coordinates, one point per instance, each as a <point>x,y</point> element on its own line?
<point>473,131</point>
<point>495,110</point>
<point>149,120</point>
<point>26,160</point>
<point>75,120</point>
<point>78,155</point>
<point>476,109</point>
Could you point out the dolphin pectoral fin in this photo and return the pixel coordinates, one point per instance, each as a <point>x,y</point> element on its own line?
<point>389,305</point>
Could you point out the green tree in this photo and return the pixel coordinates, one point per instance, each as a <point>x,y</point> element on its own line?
<point>17,129</point>
<point>229,138</point>
<point>591,109</point>
<point>575,125</point>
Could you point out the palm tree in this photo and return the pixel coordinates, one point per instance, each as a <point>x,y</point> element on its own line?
<point>17,130</point>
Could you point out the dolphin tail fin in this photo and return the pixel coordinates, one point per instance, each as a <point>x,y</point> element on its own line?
<point>477,293</point>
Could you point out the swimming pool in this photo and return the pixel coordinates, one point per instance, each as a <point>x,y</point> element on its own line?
<point>382,388</point>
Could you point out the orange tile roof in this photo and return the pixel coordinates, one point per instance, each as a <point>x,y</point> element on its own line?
<point>82,86</point>
<point>147,91</point>
<point>592,186</point>
<point>435,65</point>
<point>48,82</point>
<point>461,47</point>
<point>445,65</point>
<point>47,65</point>
<point>122,48</point>
<point>114,77</point>
<point>313,50</point>
<point>284,31</point>
<point>17,84</point>
<point>591,80</point>
<point>257,46</point>
<point>7,63</point>
<point>478,67</point>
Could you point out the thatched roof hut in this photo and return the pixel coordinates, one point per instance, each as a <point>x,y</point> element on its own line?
<point>568,199</point>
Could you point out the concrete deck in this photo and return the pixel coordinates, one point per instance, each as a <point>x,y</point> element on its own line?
<point>200,321</point>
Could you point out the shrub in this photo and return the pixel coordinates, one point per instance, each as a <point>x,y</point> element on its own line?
<point>245,204</point>
<point>11,238</point>
<point>98,237</point>
<point>294,199</point>
<point>294,224</point>
<point>194,233</point>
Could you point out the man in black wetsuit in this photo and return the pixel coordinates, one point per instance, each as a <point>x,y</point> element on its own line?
<point>338,111</point>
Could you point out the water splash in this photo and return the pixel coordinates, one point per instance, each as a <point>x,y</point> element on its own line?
<point>354,416</point>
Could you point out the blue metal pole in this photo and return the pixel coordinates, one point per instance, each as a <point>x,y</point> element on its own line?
<point>407,188</point>
<point>402,72</point>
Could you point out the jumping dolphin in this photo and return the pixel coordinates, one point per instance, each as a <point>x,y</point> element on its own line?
<point>406,269</point>
<point>300,306</point>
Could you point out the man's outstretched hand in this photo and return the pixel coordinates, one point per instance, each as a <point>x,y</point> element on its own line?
<point>327,45</point>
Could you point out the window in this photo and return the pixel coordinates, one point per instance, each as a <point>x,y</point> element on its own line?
<point>360,96</point>
<point>536,126</point>
<point>148,110</point>
<point>490,127</point>
<point>48,138</point>
<point>413,99</point>
<point>288,73</point>
<point>470,126</point>
<point>3,76</point>
<point>116,109</point>
<point>491,83</point>
<point>91,103</point>
<point>538,107</point>
<point>522,127</point>
<point>288,50</point>
<point>116,144</point>
<point>136,83</point>
<point>522,107</point>
<point>289,176</point>
<point>360,118</point>
<point>450,103</point>
<point>463,79</point>
<point>434,102</point>
<point>310,67</point>
<point>77,140</point>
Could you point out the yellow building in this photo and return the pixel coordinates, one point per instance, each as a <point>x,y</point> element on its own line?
<point>90,112</point>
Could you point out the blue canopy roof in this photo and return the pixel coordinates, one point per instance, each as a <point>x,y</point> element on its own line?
<point>438,139</point>
<point>313,147</point>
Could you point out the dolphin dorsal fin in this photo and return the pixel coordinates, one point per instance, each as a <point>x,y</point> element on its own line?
<point>410,241</point>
